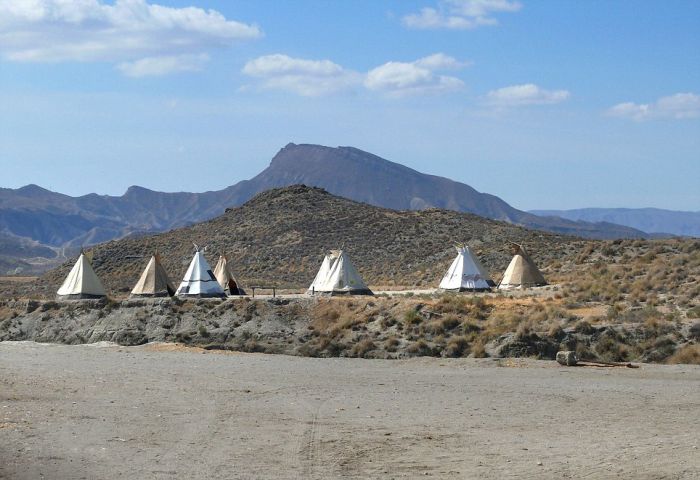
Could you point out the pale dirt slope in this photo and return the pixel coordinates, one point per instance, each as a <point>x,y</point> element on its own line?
<point>162,413</point>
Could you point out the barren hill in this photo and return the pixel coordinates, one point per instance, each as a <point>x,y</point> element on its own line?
<point>279,237</point>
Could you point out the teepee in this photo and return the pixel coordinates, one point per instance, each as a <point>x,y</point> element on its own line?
<point>81,282</point>
<point>199,281</point>
<point>321,277</point>
<point>466,273</point>
<point>522,272</point>
<point>225,277</point>
<point>154,281</point>
<point>338,275</point>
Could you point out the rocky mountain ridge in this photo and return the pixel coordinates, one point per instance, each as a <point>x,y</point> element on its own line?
<point>56,220</point>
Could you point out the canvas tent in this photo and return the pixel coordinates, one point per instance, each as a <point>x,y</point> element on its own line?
<point>225,277</point>
<point>199,281</point>
<point>154,281</point>
<point>466,273</point>
<point>521,272</point>
<point>338,275</point>
<point>81,282</point>
<point>321,277</point>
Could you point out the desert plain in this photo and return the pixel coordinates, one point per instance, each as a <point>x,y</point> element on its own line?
<point>161,411</point>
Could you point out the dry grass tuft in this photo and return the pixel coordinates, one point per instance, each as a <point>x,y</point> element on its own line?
<point>688,354</point>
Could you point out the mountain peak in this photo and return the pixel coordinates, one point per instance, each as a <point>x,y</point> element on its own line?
<point>137,190</point>
<point>32,190</point>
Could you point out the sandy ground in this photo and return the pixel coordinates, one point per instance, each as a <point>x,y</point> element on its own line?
<point>163,412</point>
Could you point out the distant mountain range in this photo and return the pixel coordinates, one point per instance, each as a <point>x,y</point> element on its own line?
<point>58,221</point>
<point>649,220</point>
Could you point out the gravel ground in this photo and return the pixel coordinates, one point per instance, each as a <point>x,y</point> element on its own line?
<point>163,412</point>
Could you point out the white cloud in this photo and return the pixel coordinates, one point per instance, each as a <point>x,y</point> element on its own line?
<point>309,78</point>
<point>419,77</point>
<point>125,31</point>
<point>678,106</point>
<point>155,66</point>
<point>460,14</point>
<point>323,77</point>
<point>400,78</point>
<point>278,64</point>
<point>440,61</point>
<point>526,94</point>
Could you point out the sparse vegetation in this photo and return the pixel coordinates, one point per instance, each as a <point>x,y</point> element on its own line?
<point>620,300</point>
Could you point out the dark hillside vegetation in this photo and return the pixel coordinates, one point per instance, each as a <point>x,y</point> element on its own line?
<point>280,236</point>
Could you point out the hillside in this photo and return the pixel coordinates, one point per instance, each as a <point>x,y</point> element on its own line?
<point>616,300</point>
<point>57,220</point>
<point>280,237</point>
<point>649,220</point>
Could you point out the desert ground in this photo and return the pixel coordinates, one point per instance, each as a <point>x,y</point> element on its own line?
<point>161,411</point>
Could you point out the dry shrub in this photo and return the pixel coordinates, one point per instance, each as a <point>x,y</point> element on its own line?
<point>584,328</point>
<point>361,348</point>
<point>412,317</point>
<point>336,317</point>
<point>555,331</point>
<point>433,327</point>
<point>524,330</point>
<point>502,322</point>
<point>458,346</point>
<point>420,348</point>
<point>470,327</point>
<point>391,344</point>
<point>689,354</point>
<point>462,306</point>
<point>694,331</point>
<point>609,348</point>
<point>324,314</point>
<point>478,350</point>
<point>450,321</point>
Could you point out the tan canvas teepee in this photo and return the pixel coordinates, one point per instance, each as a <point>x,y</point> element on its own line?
<point>521,272</point>
<point>154,281</point>
<point>225,277</point>
<point>81,282</point>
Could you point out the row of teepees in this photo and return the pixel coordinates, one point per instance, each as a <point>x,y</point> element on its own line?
<point>199,281</point>
<point>337,275</point>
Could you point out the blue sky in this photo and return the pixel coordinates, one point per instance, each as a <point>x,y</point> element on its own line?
<point>547,104</point>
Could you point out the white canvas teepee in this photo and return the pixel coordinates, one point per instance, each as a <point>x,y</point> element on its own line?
<point>225,277</point>
<point>338,275</point>
<point>81,282</point>
<point>521,272</point>
<point>199,281</point>
<point>154,281</point>
<point>321,278</point>
<point>466,273</point>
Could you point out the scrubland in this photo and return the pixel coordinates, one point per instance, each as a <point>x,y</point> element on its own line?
<point>628,300</point>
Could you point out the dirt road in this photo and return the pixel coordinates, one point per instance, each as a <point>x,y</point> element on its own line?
<point>99,412</point>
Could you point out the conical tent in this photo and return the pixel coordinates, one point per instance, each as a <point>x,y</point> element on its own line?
<point>154,281</point>
<point>225,277</point>
<point>199,281</point>
<point>81,282</point>
<point>342,277</point>
<point>521,272</point>
<point>466,273</point>
<point>322,276</point>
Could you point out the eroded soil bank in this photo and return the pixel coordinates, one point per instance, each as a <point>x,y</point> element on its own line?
<point>379,327</point>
